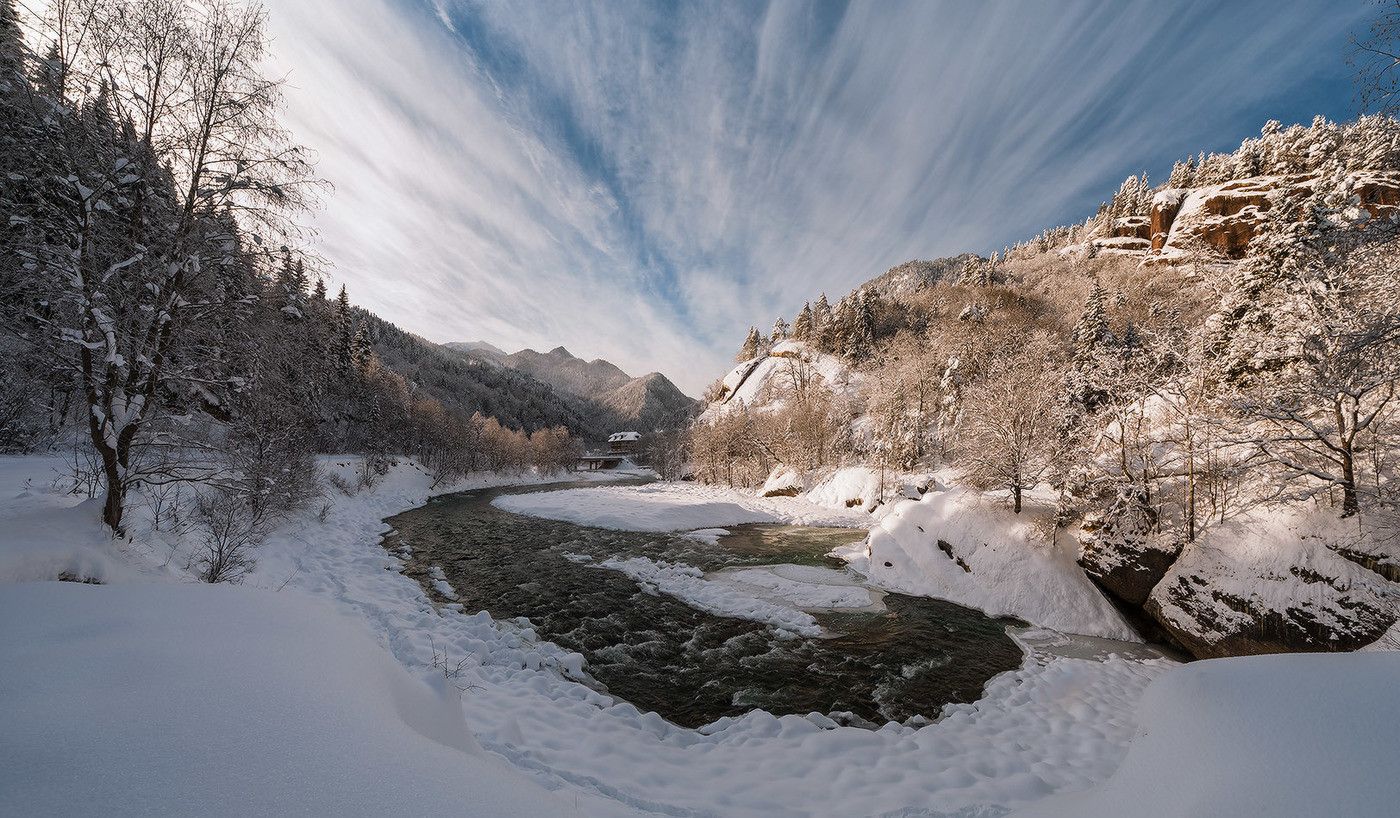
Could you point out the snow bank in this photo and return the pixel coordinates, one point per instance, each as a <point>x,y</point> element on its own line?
<point>782,482</point>
<point>672,507</point>
<point>1291,735</point>
<point>960,546</point>
<point>850,487</point>
<point>151,699</point>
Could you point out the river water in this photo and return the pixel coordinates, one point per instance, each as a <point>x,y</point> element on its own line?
<point>692,667</point>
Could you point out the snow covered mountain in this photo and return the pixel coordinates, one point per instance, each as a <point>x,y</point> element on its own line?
<point>609,397</point>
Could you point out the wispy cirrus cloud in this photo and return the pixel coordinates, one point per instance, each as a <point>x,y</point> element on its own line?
<point>642,181</point>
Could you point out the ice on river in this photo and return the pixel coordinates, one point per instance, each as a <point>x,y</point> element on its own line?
<point>673,507</point>
<point>807,587</point>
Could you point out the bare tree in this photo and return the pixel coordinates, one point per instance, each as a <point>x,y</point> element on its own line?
<point>176,148</point>
<point>1375,57</point>
<point>1009,435</point>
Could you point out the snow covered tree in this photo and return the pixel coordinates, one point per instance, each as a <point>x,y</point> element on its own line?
<point>822,321</point>
<point>161,143</point>
<point>1009,438</point>
<point>802,325</point>
<point>1091,330</point>
<point>1307,338</point>
<point>343,341</point>
<point>749,350</point>
<point>780,330</point>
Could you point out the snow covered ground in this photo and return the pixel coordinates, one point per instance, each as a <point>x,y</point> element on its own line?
<point>320,686</point>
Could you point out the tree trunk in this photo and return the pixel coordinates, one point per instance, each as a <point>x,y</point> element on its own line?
<point>114,503</point>
<point>1016,499</point>
<point>1350,503</point>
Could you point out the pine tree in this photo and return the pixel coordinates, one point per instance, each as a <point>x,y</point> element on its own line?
<point>749,350</point>
<point>361,349</point>
<point>802,325</point>
<point>1091,329</point>
<point>319,291</point>
<point>780,330</point>
<point>343,343</point>
<point>822,321</point>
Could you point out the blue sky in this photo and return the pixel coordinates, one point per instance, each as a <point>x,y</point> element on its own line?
<point>643,181</point>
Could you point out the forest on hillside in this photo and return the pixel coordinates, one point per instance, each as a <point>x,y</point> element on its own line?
<point>1183,387</point>
<point>160,313</point>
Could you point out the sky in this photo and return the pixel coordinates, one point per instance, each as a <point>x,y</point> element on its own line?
<point>641,182</point>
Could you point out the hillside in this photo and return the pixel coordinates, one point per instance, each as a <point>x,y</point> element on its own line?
<point>1188,393</point>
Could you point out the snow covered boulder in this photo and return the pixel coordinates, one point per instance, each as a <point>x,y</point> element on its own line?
<point>961,546</point>
<point>782,482</point>
<point>1122,550</point>
<point>850,487</point>
<point>1271,584</point>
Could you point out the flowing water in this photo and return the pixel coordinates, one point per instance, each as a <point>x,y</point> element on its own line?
<point>693,667</point>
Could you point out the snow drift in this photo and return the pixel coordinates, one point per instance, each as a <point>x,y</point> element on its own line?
<point>960,546</point>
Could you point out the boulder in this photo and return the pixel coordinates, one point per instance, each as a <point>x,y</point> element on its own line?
<point>782,482</point>
<point>1122,550</point>
<point>1265,586</point>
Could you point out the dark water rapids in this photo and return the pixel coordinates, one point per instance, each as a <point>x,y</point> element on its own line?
<point>690,666</point>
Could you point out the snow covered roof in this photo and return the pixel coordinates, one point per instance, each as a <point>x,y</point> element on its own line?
<point>618,437</point>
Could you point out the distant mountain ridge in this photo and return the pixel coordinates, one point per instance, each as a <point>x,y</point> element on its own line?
<point>610,397</point>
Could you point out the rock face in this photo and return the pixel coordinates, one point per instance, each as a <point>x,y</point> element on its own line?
<point>1131,227</point>
<point>1122,551</point>
<point>1165,205</point>
<point>1226,217</point>
<point>1297,595</point>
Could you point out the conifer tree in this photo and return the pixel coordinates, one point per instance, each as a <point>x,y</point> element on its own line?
<point>822,320</point>
<point>780,330</point>
<point>802,325</point>
<point>749,350</point>
<point>1092,327</point>
<point>343,342</point>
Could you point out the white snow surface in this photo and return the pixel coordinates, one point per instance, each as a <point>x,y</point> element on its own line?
<point>1288,736</point>
<point>674,507</point>
<point>317,688</point>
<point>1010,568</point>
<point>807,587</point>
<point>856,487</point>
<point>146,699</point>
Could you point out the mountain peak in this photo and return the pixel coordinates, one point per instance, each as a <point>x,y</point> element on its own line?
<point>560,352</point>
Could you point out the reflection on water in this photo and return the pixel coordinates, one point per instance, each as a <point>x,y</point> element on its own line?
<point>690,666</point>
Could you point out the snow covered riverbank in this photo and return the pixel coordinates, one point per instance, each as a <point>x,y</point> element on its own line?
<point>328,651</point>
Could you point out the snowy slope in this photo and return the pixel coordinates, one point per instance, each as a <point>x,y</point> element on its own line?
<point>143,699</point>
<point>1302,736</point>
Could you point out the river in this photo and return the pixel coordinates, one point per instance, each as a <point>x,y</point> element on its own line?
<point>901,662</point>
